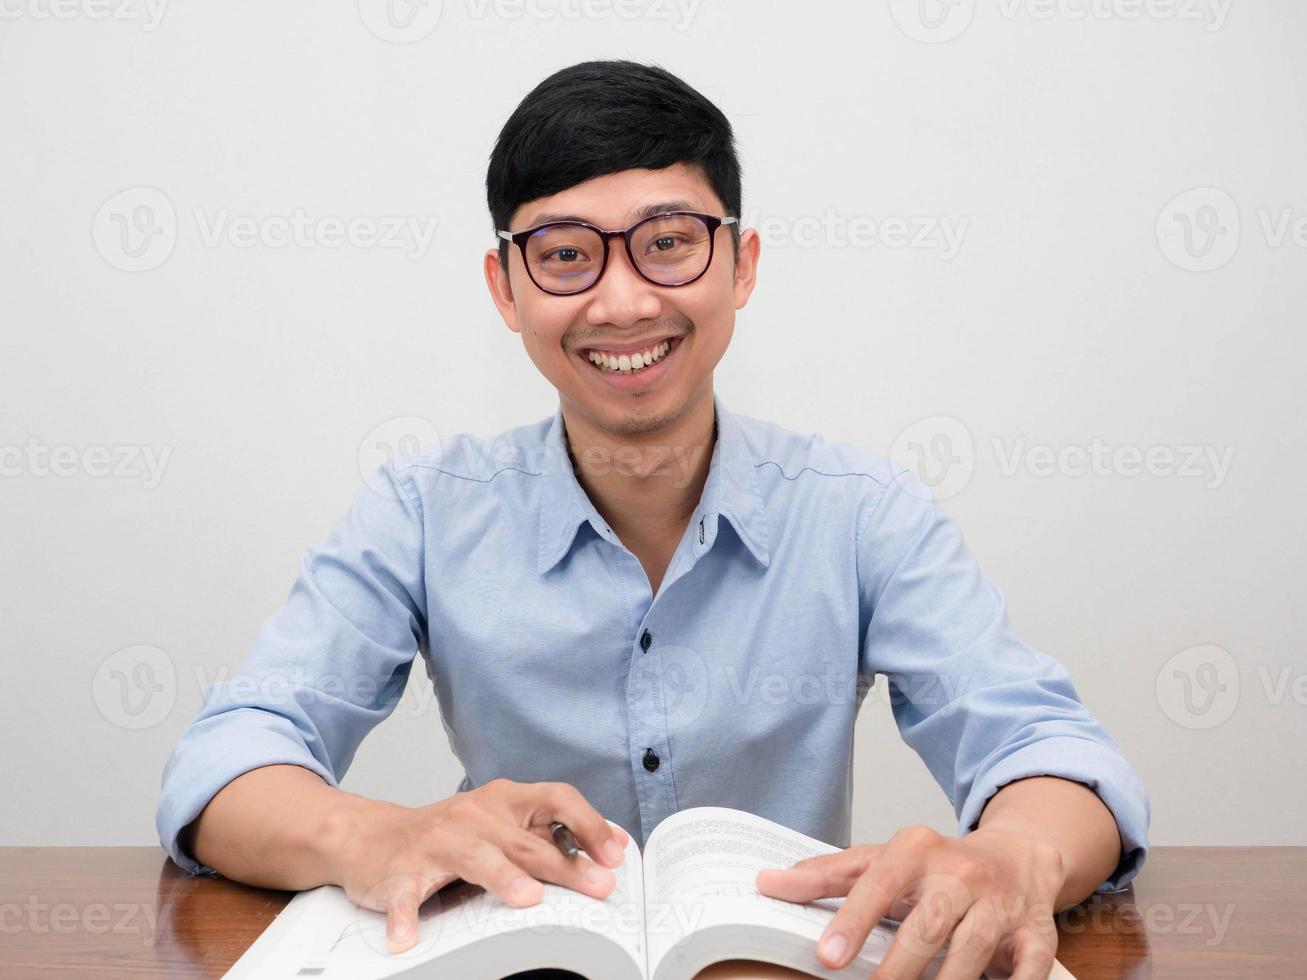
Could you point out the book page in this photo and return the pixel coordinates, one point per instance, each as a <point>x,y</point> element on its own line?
<point>323,934</point>
<point>703,862</point>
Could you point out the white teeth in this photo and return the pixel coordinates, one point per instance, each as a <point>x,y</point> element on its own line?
<point>630,363</point>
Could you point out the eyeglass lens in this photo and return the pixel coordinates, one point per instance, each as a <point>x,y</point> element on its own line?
<point>669,249</point>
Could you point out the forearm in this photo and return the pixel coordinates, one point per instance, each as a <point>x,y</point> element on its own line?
<point>1068,815</point>
<point>274,827</point>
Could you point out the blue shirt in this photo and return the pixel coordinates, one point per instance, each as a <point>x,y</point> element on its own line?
<point>807,569</point>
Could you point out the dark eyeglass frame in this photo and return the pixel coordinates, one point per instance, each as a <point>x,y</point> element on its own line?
<point>711,221</point>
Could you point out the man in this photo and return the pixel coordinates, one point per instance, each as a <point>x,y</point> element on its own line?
<point>647,603</point>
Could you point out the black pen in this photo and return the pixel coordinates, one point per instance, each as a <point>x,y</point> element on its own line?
<point>564,839</point>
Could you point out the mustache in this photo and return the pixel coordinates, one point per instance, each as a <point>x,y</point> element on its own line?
<point>677,326</point>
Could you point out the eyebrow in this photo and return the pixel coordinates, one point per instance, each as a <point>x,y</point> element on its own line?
<point>648,211</point>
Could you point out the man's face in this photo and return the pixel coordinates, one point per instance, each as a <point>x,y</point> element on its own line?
<point>623,312</point>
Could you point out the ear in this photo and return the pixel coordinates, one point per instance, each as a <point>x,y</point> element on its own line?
<point>746,266</point>
<point>501,290</point>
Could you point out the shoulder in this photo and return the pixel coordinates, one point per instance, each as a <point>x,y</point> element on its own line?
<point>881,496</point>
<point>782,454</point>
<point>475,457</point>
<point>460,465</point>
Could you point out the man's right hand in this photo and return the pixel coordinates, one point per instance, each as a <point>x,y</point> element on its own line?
<point>391,858</point>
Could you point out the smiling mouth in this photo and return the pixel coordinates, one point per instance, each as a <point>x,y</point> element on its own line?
<point>632,363</point>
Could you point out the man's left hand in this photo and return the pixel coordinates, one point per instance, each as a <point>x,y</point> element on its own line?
<point>990,895</point>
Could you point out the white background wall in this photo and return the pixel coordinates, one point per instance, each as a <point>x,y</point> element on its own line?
<point>1069,312</point>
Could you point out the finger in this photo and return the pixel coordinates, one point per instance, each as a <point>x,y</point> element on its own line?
<point>1035,952</point>
<point>484,864</point>
<point>402,898</point>
<point>945,901</point>
<point>974,942</point>
<point>547,863</point>
<point>825,876</point>
<point>870,899</point>
<point>550,801</point>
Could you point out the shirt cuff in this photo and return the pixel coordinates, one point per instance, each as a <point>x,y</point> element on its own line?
<point>195,773</point>
<point>1098,766</point>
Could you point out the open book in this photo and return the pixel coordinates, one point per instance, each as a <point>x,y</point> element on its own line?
<point>689,901</point>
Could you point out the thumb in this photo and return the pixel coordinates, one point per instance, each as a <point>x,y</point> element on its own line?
<point>402,919</point>
<point>825,876</point>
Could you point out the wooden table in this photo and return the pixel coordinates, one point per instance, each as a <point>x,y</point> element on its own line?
<point>1194,912</point>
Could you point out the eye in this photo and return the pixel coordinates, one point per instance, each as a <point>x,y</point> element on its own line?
<point>663,242</point>
<point>566,254</point>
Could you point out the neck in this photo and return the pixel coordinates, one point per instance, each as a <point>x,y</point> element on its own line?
<point>646,483</point>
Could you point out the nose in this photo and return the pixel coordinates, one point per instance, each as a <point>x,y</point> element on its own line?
<point>622,297</point>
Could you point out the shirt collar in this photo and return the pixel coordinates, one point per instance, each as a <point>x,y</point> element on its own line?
<point>731,490</point>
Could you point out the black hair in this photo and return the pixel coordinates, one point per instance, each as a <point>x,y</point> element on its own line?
<point>601,117</point>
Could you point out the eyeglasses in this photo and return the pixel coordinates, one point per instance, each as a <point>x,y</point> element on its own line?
<point>567,257</point>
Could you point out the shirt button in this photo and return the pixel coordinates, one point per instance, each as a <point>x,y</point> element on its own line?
<point>650,760</point>
<point>645,640</point>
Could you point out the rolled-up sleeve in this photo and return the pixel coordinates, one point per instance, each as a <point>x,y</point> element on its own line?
<point>979,706</point>
<point>324,669</point>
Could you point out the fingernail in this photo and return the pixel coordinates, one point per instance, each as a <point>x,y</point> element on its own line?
<point>832,948</point>
<point>597,875</point>
<point>521,884</point>
<point>612,853</point>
